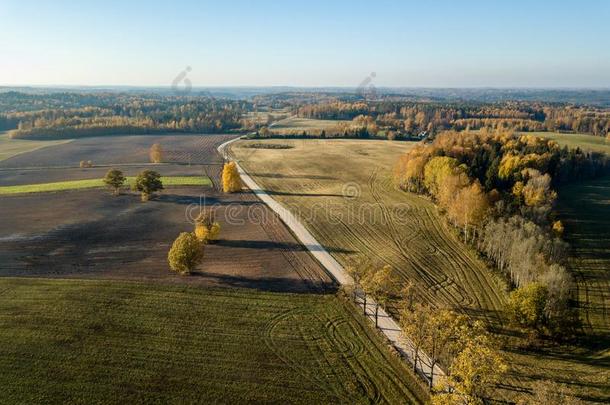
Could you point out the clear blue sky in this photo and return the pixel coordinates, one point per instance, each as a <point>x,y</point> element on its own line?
<point>306,43</point>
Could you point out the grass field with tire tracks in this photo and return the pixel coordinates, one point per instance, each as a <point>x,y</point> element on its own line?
<point>79,341</point>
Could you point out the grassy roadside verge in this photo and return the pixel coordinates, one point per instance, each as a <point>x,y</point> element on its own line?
<point>98,183</point>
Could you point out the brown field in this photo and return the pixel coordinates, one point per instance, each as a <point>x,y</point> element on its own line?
<point>89,233</point>
<point>113,150</point>
<point>93,234</point>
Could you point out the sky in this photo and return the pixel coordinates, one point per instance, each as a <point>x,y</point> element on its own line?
<point>306,43</point>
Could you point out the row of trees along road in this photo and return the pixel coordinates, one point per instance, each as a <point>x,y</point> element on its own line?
<point>467,351</point>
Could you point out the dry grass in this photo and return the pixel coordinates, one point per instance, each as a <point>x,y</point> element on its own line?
<point>401,229</point>
<point>316,173</point>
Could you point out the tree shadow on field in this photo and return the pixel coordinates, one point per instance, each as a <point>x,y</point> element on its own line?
<point>269,284</point>
<point>284,193</point>
<point>204,199</point>
<point>263,244</point>
<point>288,176</point>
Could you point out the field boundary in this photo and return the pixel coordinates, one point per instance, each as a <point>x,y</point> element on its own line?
<point>386,324</point>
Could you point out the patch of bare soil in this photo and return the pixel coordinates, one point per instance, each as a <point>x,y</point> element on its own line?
<point>92,234</point>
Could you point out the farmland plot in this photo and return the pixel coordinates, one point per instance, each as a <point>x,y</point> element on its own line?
<point>342,190</point>
<point>79,341</point>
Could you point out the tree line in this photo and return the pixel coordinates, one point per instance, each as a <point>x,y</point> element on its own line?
<point>499,190</point>
<point>107,114</point>
<point>410,118</point>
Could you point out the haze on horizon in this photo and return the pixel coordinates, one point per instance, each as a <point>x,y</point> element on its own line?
<point>407,44</point>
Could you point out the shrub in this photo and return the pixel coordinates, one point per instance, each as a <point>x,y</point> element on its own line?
<point>185,254</point>
<point>207,229</point>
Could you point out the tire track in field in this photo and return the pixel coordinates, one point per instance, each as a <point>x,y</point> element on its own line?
<point>432,281</point>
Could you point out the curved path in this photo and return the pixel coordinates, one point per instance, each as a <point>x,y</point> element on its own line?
<point>386,324</point>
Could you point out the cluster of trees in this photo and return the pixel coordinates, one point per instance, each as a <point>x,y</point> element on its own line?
<point>207,229</point>
<point>377,281</point>
<point>187,251</point>
<point>411,118</point>
<point>146,182</point>
<point>474,365</point>
<point>105,114</point>
<point>436,336</point>
<point>499,189</point>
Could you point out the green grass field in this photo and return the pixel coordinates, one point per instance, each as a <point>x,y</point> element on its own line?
<point>98,183</point>
<point>585,142</point>
<point>13,147</point>
<point>585,210</point>
<point>296,124</point>
<point>86,342</point>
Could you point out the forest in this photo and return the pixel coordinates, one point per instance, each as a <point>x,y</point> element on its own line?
<point>406,118</point>
<point>73,115</point>
<point>498,189</point>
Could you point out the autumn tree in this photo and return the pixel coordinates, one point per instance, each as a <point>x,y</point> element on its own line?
<point>147,183</point>
<point>381,284</point>
<point>114,179</point>
<point>414,325</point>
<point>444,330</point>
<point>469,207</point>
<point>537,191</point>
<point>361,272</point>
<point>206,227</point>
<point>436,171</point>
<point>473,374</point>
<point>185,254</point>
<point>231,180</point>
<point>156,153</point>
<point>526,306</point>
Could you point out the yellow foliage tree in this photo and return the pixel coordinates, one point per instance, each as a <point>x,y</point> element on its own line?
<point>207,229</point>
<point>474,372</point>
<point>185,254</point>
<point>508,165</point>
<point>469,208</point>
<point>414,325</point>
<point>558,228</point>
<point>231,181</point>
<point>156,153</point>
<point>538,191</point>
<point>436,171</point>
<point>450,187</point>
